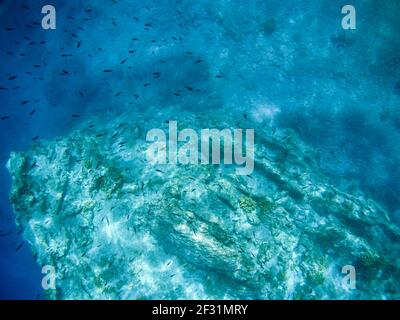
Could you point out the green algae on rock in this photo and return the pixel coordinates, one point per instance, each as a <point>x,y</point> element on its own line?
<point>116,227</point>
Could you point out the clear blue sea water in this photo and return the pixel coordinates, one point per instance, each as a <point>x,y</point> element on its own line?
<point>288,63</point>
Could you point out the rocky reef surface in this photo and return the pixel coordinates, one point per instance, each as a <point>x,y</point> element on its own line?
<point>115,226</point>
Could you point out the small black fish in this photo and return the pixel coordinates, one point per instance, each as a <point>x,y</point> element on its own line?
<point>35,138</point>
<point>107,70</point>
<point>79,44</point>
<point>12,78</point>
<point>24,102</point>
<point>9,29</point>
<point>123,61</point>
<point>75,116</point>
<point>5,234</point>
<point>20,246</point>
<point>189,88</point>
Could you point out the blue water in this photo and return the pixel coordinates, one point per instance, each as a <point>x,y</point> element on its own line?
<point>339,90</point>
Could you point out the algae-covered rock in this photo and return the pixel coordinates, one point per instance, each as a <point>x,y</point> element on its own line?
<point>247,204</point>
<point>115,226</point>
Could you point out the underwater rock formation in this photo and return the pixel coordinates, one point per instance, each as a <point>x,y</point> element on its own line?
<point>116,227</point>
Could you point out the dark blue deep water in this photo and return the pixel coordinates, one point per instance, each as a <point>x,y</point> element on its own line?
<point>286,64</point>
